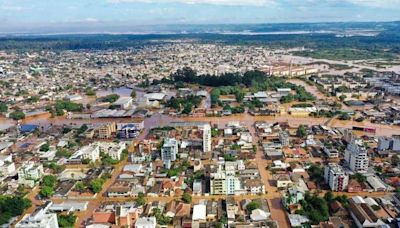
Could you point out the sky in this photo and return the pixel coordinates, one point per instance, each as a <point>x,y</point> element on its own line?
<point>60,15</point>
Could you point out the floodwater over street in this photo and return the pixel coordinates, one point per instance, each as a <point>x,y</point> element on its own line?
<point>246,119</point>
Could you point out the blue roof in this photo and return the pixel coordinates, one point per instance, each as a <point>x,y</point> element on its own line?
<point>27,128</point>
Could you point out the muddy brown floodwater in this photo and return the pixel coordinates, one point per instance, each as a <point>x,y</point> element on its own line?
<point>245,119</point>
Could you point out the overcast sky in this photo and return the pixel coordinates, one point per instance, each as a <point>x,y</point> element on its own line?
<point>17,15</point>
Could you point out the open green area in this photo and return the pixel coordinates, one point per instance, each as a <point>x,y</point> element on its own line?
<point>238,84</point>
<point>184,104</point>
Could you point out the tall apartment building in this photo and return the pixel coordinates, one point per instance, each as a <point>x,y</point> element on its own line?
<point>39,219</point>
<point>348,135</point>
<point>224,182</point>
<point>336,178</point>
<point>218,182</point>
<point>232,183</point>
<point>284,138</point>
<point>206,128</point>
<point>107,130</point>
<point>169,151</point>
<point>356,156</point>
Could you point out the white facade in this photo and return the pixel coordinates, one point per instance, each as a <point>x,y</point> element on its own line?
<point>39,219</point>
<point>146,222</point>
<point>7,166</point>
<point>114,150</point>
<point>224,182</point>
<point>232,183</point>
<point>91,152</point>
<point>336,178</point>
<point>356,156</point>
<point>30,173</point>
<point>169,151</point>
<point>206,137</point>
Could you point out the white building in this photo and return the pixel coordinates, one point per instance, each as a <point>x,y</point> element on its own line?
<point>30,173</point>
<point>7,166</point>
<point>232,183</point>
<point>169,151</point>
<point>199,212</point>
<point>39,219</point>
<point>91,152</point>
<point>114,150</point>
<point>336,178</point>
<point>146,222</point>
<point>224,182</point>
<point>356,156</point>
<point>206,128</point>
<point>124,102</point>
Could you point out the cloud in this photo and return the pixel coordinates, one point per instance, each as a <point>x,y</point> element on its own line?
<point>282,3</point>
<point>377,3</point>
<point>209,2</point>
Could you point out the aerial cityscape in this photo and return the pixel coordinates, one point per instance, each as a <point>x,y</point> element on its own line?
<point>200,113</point>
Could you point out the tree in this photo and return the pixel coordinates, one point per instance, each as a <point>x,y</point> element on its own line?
<point>187,198</point>
<point>395,160</point>
<point>49,181</point>
<point>316,173</point>
<point>3,107</point>
<point>187,108</point>
<point>90,92</point>
<point>11,206</point>
<point>344,116</point>
<point>17,115</point>
<point>140,200</point>
<point>46,191</point>
<point>329,196</point>
<point>109,98</point>
<point>253,205</point>
<point>133,94</point>
<point>96,185</point>
<point>342,98</point>
<point>79,186</point>
<point>66,220</point>
<point>301,131</point>
<point>239,95</point>
<point>359,177</point>
<point>45,147</point>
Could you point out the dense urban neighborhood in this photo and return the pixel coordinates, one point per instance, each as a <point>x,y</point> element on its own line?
<point>190,134</point>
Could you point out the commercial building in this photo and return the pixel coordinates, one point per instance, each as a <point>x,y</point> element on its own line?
<point>336,178</point>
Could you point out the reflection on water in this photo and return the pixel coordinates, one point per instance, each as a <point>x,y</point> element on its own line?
<point>5,123</point>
